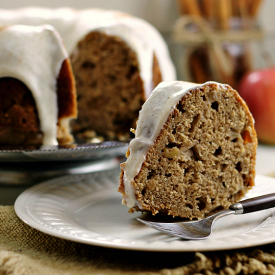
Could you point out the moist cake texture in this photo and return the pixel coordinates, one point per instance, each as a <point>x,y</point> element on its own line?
<point>194,151</point>
<point>110,90</point>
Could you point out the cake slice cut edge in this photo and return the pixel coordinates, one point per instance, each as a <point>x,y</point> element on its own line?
<point>194,151</point>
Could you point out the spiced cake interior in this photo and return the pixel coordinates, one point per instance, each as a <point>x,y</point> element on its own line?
<point>201,159</point>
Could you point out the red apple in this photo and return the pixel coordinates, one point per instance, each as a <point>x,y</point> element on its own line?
<point>257,88</point>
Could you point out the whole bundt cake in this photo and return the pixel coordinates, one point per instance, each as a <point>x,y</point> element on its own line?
<point>117,60</point>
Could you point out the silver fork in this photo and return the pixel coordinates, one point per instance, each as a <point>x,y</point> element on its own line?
<point>202,229</point>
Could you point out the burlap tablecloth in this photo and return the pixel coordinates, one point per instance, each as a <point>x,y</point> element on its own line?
<point>24,250</point>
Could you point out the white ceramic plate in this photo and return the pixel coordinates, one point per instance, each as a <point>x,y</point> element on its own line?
<point>87,209</point>
<point>73,152</point>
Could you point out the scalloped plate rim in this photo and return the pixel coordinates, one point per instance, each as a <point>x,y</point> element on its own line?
<point>163,243</point>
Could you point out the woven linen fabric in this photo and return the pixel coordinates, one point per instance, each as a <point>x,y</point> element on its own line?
<point>24,250</point>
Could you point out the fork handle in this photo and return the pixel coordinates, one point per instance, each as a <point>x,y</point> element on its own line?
<point>254,204</point>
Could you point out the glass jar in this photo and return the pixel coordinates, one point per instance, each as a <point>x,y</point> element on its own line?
<point>211,53</point>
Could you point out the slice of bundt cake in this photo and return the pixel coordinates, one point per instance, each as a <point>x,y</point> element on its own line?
<point>193,153</point>
<point>36,86</point>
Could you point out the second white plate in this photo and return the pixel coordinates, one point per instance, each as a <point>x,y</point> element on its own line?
<point>87,209</point>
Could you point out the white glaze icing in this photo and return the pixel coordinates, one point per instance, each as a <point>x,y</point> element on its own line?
<point>73,25</point>
<point>34,55</point>
<point>153,115</point>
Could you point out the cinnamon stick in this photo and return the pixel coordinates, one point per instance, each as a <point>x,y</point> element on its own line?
<point>208,9</point>
<point>235,8</point>
<point>191,7</point>
<point>254,8</point>
<point>223,13</point>
<point>243,7</point>
<point>181,7</point>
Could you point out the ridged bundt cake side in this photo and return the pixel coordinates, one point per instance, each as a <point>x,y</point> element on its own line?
<point>36,86</point>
